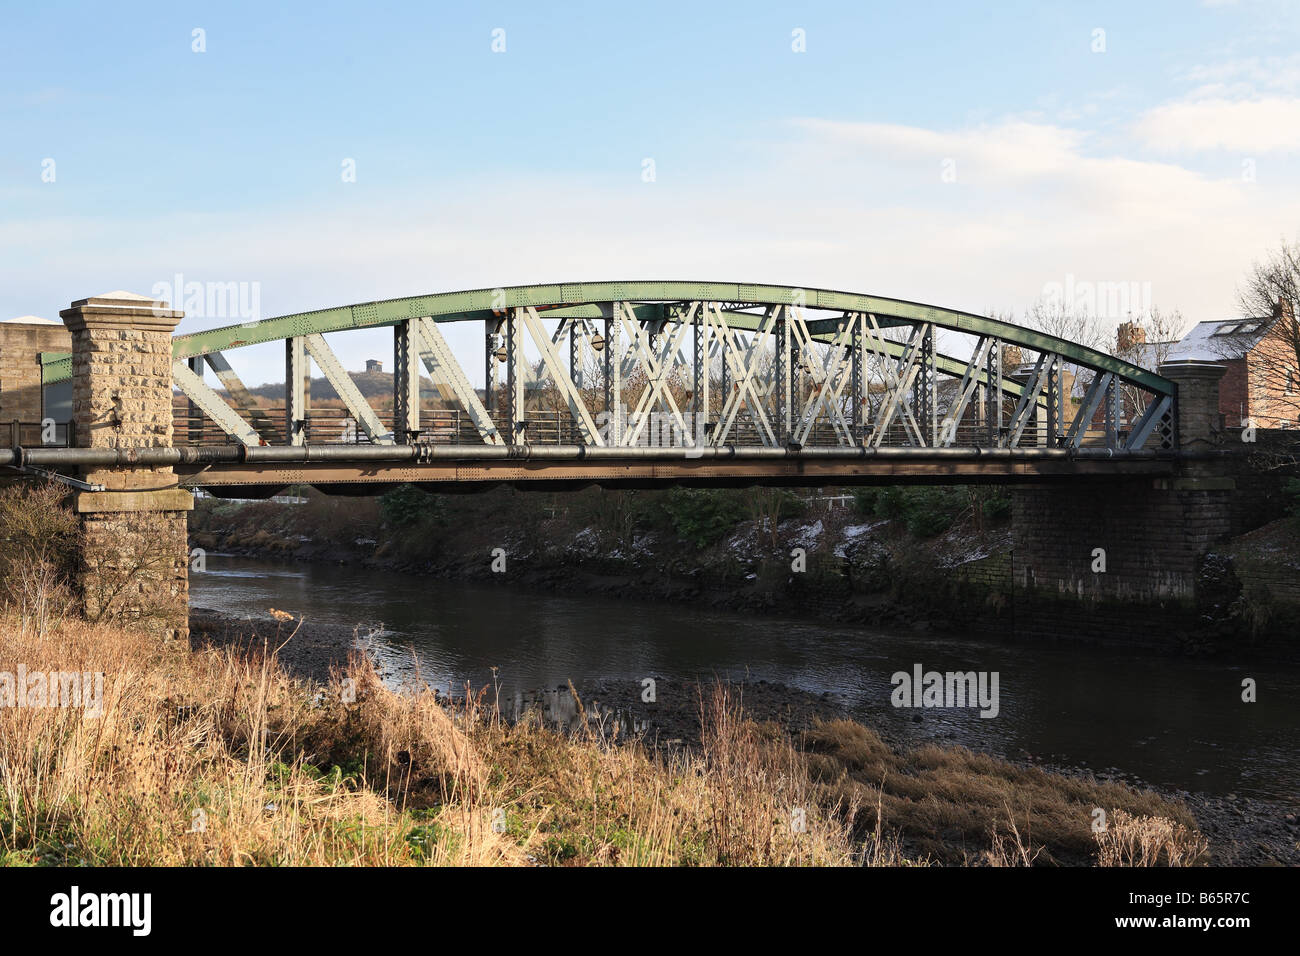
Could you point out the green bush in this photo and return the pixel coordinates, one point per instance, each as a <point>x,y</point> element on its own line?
<point>407,505</point>
<point>864,500</point>
<point>774,504</point>
<point>998,505</point>
<point>702,516</point>
<point>926,510</point>
<point>891,502</point>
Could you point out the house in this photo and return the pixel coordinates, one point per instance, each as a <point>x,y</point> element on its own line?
<point>1261,384</point>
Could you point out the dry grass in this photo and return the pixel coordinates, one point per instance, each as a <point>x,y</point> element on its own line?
<point>213,757</point>
<point>216,757</point>
<point>960,807</point>
<point>1148,841</point>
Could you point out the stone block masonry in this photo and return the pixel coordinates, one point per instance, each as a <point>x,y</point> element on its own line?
<point>1121,558</point>
<point>21,343</point>
<point>1146,541</point>
<point>135,557</point>
<point>1112,560</point>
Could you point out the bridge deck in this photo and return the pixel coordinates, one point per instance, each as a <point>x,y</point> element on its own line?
<point>916,466</point>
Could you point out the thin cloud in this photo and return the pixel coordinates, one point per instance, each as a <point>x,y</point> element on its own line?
<point>1266,125</point>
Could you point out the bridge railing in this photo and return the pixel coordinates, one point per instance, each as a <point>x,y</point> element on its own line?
<point>336,426</point>
<point>48,433</point>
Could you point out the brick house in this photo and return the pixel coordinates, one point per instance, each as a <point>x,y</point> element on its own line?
<point>1261,383</point>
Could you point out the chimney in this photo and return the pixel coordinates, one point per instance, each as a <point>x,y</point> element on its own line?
<point>1128,336</point>
<point>374,365</point>
<point>1284,309</point>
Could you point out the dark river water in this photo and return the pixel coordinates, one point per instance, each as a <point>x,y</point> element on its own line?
<point>1168,721</point>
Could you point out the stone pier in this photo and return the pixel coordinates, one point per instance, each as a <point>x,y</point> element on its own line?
<point>135,556</point>
<point>1121,558</point>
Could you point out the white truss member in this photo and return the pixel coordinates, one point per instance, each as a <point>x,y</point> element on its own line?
<point>442,366</point>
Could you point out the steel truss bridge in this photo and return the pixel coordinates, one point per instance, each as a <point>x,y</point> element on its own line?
<point>647,383</point>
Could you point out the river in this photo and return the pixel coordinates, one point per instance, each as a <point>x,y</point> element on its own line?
<point>1169,721</point>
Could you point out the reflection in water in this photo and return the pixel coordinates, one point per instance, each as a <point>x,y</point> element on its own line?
<point>1170,721</point>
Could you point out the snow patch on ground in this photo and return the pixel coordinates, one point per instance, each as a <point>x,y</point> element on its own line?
<point>853,532</point>
<point>586,543</point>
<point>742,542</point>
<point>959,549</point>
<point>808,535</point>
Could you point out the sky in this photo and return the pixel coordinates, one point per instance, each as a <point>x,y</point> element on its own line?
<point>966,155</point>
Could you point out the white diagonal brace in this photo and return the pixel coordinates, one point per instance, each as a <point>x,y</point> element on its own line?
<point>1029,399</point>
<point>243,398</point>
<point>742,374</point>
<point>355,402</point>
<point>1091,399</point>
<point>903,373</point>
<point>657,368</point>
<point>832,386</point>
<point>568,391</point>
<point>212,405</point>
<point>969,380</point>
<point>443,368</point>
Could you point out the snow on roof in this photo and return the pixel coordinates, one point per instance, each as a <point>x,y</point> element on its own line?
<point>121,294</point>
<point>1220,339</point>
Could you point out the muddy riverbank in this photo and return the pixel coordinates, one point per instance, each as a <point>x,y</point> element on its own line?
<point>1242,830</point>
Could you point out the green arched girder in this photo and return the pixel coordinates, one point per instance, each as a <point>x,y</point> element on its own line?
<point>574,299</point>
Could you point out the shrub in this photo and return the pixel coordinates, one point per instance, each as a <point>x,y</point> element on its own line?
<point>37,533</point>
<point>702,516</point>
<point>997,506</point>
<point>407,505</point>
<point>864,500</point>
<point>926,510</point>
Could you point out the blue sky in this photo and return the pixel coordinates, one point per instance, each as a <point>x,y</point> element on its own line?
<point>942,152</point>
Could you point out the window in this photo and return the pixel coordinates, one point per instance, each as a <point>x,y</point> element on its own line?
<point>1293,381</point>
<point>1239,328</point>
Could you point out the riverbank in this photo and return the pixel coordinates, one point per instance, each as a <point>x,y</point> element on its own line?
<point>899,763</point>
<point>926,559</point>
<point>827,557</point>
<point>218,756</point>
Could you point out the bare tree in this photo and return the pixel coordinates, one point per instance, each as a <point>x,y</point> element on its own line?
<point>1058,319</point>
<point>1274,280</point>
<point>1146,343</point>
<point>1271,291</point>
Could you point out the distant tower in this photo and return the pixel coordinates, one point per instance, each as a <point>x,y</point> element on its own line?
<point>1128,336</point>
<point>374,365</point>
